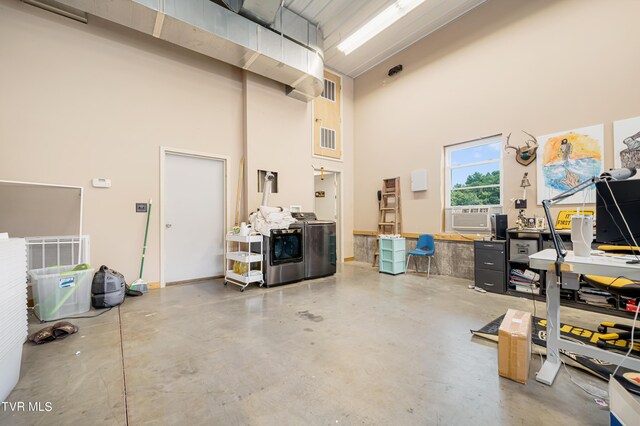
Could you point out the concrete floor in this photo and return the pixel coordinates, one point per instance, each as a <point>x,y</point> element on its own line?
<point>356,348</point>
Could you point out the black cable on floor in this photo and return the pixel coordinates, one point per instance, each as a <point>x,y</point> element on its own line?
<point>124,374</point>
<point>81,317</point>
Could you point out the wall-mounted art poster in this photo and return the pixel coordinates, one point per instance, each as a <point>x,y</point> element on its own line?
<point>566,159</point>
<point>626,144</point>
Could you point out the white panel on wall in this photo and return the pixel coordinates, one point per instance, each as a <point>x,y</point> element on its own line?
<point>13,300</point>
<point>419,180</point>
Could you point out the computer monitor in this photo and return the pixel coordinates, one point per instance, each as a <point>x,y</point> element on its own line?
<point>610,228</point>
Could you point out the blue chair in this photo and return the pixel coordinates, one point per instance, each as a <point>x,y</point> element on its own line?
<point>425,247</point>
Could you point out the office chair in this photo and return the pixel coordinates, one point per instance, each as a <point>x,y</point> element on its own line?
<point>424,248</point>
<point>620,287</point>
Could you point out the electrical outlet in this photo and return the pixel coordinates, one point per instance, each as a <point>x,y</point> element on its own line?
<point>521,204</point>
<point>141,207</point>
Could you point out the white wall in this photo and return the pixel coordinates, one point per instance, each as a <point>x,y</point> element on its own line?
<point>509,65</point>
<point>279,139</point>
<point>83,101</point>
<point>99,100</point>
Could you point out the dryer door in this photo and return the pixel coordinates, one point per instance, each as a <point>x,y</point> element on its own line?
<point>286,246</point>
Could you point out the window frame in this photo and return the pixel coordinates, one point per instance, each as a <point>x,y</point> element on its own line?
<point>449,149</point>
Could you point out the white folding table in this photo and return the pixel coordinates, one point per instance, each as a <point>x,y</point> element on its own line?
<point>594,265</point>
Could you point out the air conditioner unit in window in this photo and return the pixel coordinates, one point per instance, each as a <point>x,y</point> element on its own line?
<point>471,219</point>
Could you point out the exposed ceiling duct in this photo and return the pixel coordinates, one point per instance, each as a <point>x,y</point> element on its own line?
<point>294,58</point>
<point>234,5</point>
<point>263,10</point>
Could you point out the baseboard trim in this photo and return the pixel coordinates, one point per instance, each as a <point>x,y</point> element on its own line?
<point>196,280</point>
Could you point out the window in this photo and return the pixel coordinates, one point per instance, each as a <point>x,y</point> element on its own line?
<point>329,91</point>
<point>473,173</point>
<point>327,138</point>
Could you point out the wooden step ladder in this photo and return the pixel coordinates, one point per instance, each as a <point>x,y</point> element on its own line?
<point>390,214</point>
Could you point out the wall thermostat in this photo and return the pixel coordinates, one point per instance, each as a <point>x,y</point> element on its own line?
<point>101,183</point>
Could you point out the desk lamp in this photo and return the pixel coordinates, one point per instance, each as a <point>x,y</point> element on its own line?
<point>561,251</point>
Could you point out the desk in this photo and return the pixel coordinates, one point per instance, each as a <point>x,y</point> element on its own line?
<point>595,265</point>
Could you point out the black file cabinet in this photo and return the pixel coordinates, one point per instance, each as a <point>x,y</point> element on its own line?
<point>490,265</point>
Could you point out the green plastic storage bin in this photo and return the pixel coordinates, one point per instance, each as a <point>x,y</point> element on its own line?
<point>392,254</point>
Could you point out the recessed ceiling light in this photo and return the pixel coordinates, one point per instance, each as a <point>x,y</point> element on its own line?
<point>378,24</point>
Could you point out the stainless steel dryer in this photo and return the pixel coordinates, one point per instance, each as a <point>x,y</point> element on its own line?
<point>319,245</point>
<point>284,256</point>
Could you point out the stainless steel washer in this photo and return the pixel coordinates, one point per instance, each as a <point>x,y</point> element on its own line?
<point>319,245</point>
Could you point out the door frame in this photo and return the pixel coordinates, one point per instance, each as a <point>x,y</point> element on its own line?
<point>163,197</point>
<point>339,206</point>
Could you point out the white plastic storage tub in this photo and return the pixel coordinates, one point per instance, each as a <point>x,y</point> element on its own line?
<point>10,371</point>
<point>61,291</point>
<point>13,310</point>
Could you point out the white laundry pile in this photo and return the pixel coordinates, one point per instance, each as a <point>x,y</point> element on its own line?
<point>268,218</point>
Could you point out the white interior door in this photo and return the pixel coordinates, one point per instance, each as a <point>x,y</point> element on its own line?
<point>326,196</point>
<point>194,217</point>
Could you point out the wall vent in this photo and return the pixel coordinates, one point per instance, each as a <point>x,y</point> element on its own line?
<point>327,138</point>
<point>329,91</point>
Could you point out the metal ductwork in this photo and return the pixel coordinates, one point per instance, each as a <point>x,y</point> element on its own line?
<point>203,26</point>
<point>262,10</point>
<point>234,5</point>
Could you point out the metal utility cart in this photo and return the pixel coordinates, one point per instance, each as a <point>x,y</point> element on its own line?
<point>243,250</point>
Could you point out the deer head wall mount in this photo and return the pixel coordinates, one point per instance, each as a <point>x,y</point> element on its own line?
<point>526,154</point>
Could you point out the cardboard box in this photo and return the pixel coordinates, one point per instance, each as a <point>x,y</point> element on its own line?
<point>514,345</point>
<point>625,409</point>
